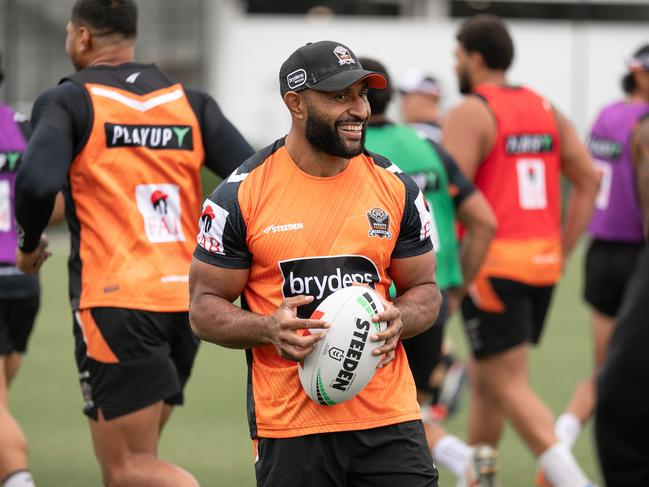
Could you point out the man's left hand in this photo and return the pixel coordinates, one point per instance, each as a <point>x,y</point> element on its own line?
<point>31,263</point>
<point>391,334</point>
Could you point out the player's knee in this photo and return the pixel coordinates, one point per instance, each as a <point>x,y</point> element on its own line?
<point>118,474</point>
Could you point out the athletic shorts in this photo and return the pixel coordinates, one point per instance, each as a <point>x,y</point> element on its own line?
<point>424,350</point>
<point>622,412</point>
<point>609,266</point>
<point>17,317</point>
<point>520,319</point>
<point>130,359</point>
<point>390,456</point>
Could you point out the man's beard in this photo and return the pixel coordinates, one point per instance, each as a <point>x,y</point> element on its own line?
<point>327,139</point>
<point>465,83</point>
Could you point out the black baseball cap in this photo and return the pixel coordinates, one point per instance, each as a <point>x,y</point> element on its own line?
<point>325,66</point>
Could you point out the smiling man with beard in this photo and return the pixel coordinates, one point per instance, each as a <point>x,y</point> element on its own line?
<point>309,214</point>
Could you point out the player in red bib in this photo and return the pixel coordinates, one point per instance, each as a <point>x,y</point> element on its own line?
<point>514,145</point>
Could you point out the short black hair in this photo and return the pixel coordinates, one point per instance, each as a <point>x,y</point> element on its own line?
<point>378,99</point>
<point>107,16</point>
<point>487,35</point>
<point>628,80</point>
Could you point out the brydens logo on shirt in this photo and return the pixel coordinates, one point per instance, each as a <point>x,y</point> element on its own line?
<point>321,276</point>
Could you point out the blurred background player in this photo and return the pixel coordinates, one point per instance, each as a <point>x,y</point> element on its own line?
<point>420,95</point>
<point>126,143</point>
<point>19,299</point>
<point>437,177</point>
<point>616,228</point>
<point>513,144</point>
<point>375,438</point>
<point>622,412</point>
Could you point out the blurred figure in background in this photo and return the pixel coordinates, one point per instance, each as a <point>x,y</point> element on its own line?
<point>420,95</point>
<point>513,144</point>
<point>448,193</point>
<point>19,299</point>
<point>622,413</point>
<point>616,228</point>
<point>126,143</point>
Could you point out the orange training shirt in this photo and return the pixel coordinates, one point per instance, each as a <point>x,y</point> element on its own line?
<point>136,192</point>
<point>300,234</point>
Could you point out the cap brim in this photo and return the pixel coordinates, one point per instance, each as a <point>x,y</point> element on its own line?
<point>344,79</point>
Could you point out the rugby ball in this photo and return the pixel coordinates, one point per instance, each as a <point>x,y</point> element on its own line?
<point>342,364</point>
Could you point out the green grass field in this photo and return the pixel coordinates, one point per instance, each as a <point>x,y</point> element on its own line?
<point>209,436</point>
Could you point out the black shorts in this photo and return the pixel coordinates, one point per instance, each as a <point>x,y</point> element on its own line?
<point>17,317</point>
<point>390,456</point>
<point>424,350</point>
<point>129,359</point>
<point>609,266</point>
<point>622,412</point>
<point>520,320</point>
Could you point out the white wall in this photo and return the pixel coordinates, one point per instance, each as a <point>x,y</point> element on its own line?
<point>576,65</point>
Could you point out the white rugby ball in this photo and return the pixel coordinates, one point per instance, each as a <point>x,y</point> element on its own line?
<point>342,363</point>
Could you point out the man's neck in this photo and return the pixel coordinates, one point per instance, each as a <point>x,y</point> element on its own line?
<point>112,55</point>
<point>311,160</point>
<point>378,118</point>
<point>639,96</point>
<point>489,77</point>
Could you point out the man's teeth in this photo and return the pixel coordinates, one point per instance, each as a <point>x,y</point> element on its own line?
<point>352,127</point>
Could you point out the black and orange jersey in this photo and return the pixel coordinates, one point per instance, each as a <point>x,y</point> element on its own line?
<point>127,144</point>
<point>300,234</point>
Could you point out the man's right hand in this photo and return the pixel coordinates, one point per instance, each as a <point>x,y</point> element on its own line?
<point>31,263</point>
<point>284,330</point>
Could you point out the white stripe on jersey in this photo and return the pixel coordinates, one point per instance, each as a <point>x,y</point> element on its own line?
<point>235,178</point>
<point>141,106</point>
<point>424,217</point>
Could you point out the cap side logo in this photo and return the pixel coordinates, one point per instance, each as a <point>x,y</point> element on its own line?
<point>343,55</point>
<point>296,79</point>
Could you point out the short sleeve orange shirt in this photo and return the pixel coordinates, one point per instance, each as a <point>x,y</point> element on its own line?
<point>300,234</point>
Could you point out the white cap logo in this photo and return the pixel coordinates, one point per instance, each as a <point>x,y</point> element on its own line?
<point>296,79</point>
<point>343,55</point>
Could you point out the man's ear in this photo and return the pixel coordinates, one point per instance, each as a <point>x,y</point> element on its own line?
<point>84,38</point>
<point>295,103</point>
<point>476,59</point>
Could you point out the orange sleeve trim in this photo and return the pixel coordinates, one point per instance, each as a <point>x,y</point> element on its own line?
<point>96,346</point>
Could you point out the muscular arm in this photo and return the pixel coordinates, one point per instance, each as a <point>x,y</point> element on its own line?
<point>214,318</point>
<point>225,147</point>
<point>61,125</point>
<point>468,134</point>
<point>474,213</point>
<point>212,315</point>
<point>578,168</point>
<point>641,159</point>
<point>418,297</point>
<point>480,224</point>
<point>41,176</point>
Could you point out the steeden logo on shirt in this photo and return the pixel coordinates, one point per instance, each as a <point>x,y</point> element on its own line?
<point>283,228</point>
